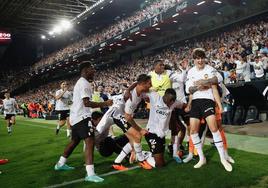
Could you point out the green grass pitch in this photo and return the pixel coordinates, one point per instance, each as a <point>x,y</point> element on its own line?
<point>33,149</point>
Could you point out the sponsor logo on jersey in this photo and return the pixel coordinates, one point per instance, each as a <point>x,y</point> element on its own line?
<point>162,112</point>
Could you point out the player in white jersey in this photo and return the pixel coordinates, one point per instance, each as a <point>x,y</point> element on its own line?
<point>63,98</point>
<point>10,105</point>
<point>223,92</point>
<point>133,131</point>
<point>122,115</point>
<point>158,124</point>
<point>203,105</point>
<point>80,120</point>
<point>181,118</point>
<point>107,144</point>
<point>116,111</point>
<point>115,115</point>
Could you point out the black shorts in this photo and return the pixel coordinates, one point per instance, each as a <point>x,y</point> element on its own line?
<point>156,144</point>
<point>8,116</point>
<point>63,114</point>
<point>202,108</point>
<point>122,123</point>
<point>82,130</point>
<point>112,145</point>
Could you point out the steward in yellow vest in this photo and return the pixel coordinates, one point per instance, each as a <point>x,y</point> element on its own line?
<point>160,78</point>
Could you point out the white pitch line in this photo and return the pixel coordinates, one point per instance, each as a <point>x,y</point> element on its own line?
<point>40,126</point>
<point>83,180</point>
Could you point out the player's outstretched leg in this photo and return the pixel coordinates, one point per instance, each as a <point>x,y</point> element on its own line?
<point>118,161</point>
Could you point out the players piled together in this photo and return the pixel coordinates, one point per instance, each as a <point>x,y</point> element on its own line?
<point>164,90</point>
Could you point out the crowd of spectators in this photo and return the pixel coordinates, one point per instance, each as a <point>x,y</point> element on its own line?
<point>121,25</point>
<point>240,54</point>
<point>151,9</point>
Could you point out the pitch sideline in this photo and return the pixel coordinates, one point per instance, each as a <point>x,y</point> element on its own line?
<point>83,180</point>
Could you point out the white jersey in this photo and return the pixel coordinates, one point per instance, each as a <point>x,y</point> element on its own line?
<point>258,69</point>
<point>63,102</point>
<point>132,104</point>
<point>115,111</point>
<point>10,106</point>
<point>78,111</point>
<point>178,79</point>
<point>160,114</point>
<point>118,104</point>
<point>194,75</point>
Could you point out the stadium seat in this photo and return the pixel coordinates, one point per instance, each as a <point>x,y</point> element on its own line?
<point>239,116</point>
<point>252,115</point>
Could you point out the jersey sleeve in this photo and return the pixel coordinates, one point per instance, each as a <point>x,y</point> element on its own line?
<point>129,107</point>
<point>85,91</point>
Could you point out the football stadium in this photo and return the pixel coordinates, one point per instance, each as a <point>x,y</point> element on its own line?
<point>136,93</point>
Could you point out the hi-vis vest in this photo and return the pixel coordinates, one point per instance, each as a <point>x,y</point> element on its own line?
<point>161,85</point>
<point>96,98</point>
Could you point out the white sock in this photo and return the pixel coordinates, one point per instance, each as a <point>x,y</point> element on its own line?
<point>219,144</point>
<point>125,151</point>
<point>68,132</point>
<point>138,150</point>
<point>175,146</point>
<point>58,126</point>
<point>62,161</point>
<point>90,170</point>
<point>198,145</point>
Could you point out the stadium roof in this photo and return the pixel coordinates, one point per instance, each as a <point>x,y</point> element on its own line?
<point>31,16</point>
<point>36,17</point>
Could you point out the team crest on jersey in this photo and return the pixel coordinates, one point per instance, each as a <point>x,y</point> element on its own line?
<point>206,76</point>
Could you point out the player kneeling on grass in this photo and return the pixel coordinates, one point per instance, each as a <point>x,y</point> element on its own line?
<point>158,123</point>
<point>107,144</point>
<point>80,120</point>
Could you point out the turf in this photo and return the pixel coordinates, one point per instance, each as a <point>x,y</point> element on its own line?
<point>33,149</point>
